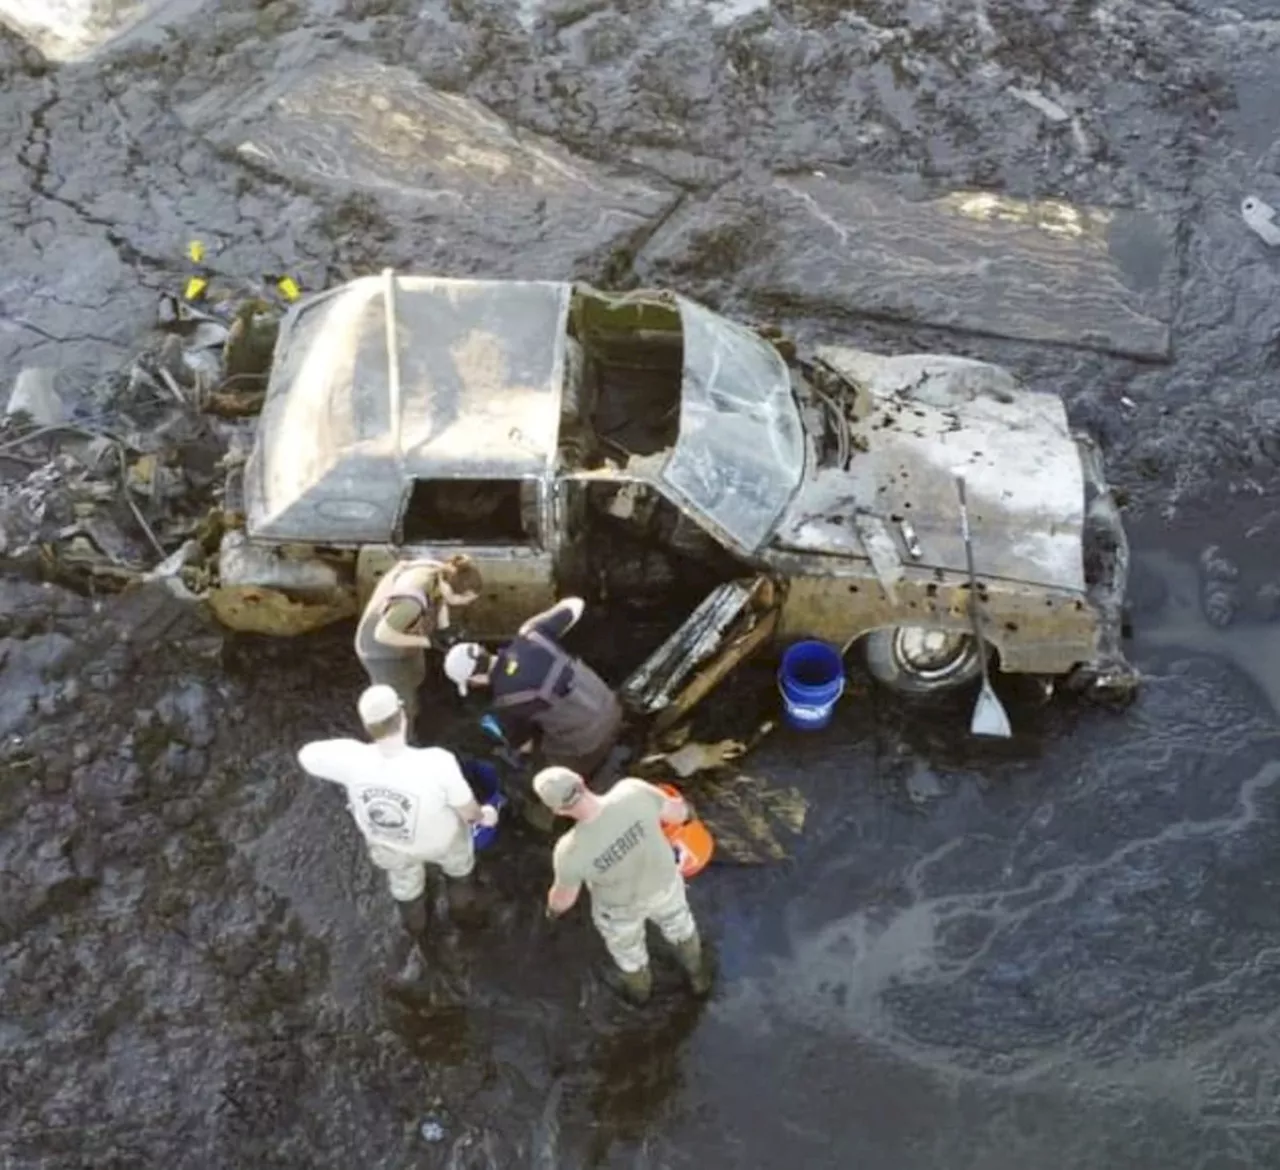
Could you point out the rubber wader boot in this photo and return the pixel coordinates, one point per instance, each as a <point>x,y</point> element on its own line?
<point>410,964</point>
<point>413,917</point>
<point>466,900</point>
<point>637,986</point>
<point>695,964</point>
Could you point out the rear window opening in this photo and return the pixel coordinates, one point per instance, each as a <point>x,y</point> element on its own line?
<point>466,511</point>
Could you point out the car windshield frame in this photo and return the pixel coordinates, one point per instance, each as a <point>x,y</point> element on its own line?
<point>740,455</point>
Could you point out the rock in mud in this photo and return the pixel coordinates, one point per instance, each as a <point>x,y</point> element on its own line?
<point>1219,590</point>
<point>35,395</point>
<point>1269,601</point>
<point>40,874</point>
<point>27,667</point>
<point>186,714</point>
<point>1215,565</point>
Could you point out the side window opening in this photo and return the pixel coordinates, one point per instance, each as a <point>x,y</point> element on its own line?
<point>471,511</point>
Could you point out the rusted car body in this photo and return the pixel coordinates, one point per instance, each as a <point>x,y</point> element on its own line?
<point>545,428</point>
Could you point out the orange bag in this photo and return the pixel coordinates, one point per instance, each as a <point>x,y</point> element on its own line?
<point>692,841</point>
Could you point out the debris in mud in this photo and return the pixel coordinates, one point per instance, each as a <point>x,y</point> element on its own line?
<point>1260,218</point>
<point>750,819</point>
<point>924,785</point>
<point>700,757</point>
<point>1037,101</point>
<point>753,821</point>
<point>431,1130</point>
<point>36,396</point>
<point>98,493</point>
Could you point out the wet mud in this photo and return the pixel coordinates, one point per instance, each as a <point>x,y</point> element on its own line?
<point>1058,952</point>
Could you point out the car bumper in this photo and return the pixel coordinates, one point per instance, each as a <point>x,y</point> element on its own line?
<point>1110,675</point>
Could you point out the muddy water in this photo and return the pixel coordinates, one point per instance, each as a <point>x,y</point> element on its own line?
<point>1059,952</point>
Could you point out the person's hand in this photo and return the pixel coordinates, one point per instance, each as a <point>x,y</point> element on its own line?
<point>488,816</point>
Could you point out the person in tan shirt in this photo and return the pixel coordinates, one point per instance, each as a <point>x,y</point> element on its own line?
<point>409,605</point>
<point>617,849</point>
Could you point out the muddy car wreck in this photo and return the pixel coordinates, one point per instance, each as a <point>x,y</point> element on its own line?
<point>612,445</point>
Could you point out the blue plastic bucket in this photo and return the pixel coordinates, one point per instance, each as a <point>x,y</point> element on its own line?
<point>483,778</point>
<point>811,679</point>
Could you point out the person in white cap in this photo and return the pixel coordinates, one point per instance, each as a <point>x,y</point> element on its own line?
<point>542,696</point>
<point>405,616</point>
<point>413,805</point>
<point>617,849</point>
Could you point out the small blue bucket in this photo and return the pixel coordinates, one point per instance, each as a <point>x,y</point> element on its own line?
<point>811,679</point>
<point>483,778</point>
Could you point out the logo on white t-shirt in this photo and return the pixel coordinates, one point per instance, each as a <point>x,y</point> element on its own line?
<point>390,815</point>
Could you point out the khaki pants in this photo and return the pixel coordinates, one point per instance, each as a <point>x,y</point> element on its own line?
<point>403,675</point>
<point>407,874</point>
<point>623,927</point>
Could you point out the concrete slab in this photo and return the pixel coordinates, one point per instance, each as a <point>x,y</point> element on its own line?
<point>356,124</point>
<point>1042,271</point>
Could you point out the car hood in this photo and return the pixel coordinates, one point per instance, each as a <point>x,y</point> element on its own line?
<point>921,420</point>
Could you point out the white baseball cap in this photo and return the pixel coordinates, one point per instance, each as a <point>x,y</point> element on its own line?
<point>378,704</point>
<point>461,662</point>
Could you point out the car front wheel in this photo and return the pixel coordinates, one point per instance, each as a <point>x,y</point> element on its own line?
<point>921,661</point>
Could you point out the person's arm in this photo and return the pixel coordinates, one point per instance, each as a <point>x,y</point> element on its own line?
<point>386,634</point>
<point>671,810</point>
<point>326,759</point>
<point>565,886</point>
<point>459,795</point>
<point>558,620</point>
<point>518,725</point>
<point>562,899</point>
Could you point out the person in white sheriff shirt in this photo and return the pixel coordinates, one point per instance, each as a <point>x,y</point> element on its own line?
<point>413,805</point>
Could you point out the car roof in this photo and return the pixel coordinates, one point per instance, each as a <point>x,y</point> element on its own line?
<point>461,379</point>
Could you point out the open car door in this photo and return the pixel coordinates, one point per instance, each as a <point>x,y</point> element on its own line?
<point>732,622</point>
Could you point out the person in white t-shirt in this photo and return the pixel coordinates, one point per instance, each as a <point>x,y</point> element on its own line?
<point>413,805</point>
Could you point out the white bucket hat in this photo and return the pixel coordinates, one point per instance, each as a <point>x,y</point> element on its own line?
<point>461,662</point>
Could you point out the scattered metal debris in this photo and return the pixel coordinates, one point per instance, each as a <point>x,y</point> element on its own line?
<point>1260,218</point>
<point>1047,106</point>
<point>125,484</point>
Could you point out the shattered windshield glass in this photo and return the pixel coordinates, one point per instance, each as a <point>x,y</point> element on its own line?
<point>740,455</point>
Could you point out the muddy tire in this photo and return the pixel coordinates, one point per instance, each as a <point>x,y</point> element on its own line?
<point>921,662</point>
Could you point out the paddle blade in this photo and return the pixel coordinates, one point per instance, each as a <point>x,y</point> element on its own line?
<point>989,716</point>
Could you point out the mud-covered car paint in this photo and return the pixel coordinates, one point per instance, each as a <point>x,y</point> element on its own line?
<point>833,477</point>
